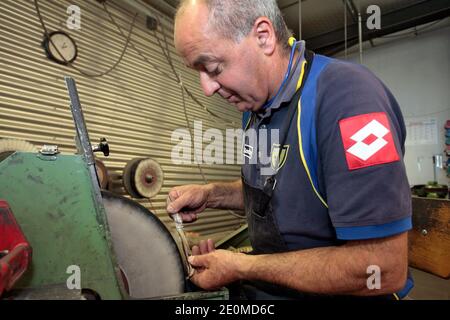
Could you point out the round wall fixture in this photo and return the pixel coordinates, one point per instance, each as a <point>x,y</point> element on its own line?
<point>60,47</point>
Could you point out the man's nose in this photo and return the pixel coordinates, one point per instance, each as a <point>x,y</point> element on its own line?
<point>209,85</point>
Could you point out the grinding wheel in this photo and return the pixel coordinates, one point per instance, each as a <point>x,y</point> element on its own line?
<point>128,177</point>
<point>145,250</point>
<point>143,178</point>
<point>102,173</point>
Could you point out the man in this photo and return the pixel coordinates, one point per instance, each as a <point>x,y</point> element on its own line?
<point>333,206</point>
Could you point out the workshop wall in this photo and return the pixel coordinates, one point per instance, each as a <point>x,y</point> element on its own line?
<point>135,106</point>
<point>416,68</point>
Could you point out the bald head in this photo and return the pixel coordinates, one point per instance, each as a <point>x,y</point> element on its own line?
<point>234,19</point>
<point>234,45</point>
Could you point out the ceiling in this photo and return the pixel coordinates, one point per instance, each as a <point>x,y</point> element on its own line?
<point>323,20</point>
<point>320,16</point>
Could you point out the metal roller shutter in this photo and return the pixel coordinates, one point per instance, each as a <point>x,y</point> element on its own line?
<point>135,106</point>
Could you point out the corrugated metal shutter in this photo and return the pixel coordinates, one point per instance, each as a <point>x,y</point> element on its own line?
<point>134,106</point>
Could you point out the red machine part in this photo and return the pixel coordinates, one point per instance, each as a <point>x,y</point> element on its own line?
<point>15,251</point>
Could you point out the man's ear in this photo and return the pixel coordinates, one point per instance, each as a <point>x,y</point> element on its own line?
<point>264,34</point>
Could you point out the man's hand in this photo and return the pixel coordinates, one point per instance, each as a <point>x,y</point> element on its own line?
<point>188,200</point>
<point>203,247</point>
<point>216,269</point>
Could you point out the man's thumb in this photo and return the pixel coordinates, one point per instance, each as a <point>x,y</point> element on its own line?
<point>176,205</point>
<point>198,261</point>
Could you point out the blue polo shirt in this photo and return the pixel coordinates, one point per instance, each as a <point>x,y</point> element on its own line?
<point>361,190</point>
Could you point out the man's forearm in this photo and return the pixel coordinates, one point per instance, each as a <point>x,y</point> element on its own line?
<point>226,195</point>
<point>332,270</point>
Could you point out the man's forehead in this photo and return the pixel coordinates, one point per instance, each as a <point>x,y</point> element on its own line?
<point>195,53</point>
<point>197,49</point>
<point>203,59</point>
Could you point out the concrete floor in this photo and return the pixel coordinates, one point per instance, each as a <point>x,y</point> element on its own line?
<point>429,287</point>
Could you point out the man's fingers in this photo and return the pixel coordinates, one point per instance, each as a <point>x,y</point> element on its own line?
<point>201,278</point>
<point>206,246</point>
<point>203,247</point>
<point>173,194</point>
<point>196,278</point>
<point>210,245</point>
<point>198,261</point>
<point>189,217</point>
<point>182,205</point>
<point>172,207</point>
<point>175,205</point>
<point>195,250</point>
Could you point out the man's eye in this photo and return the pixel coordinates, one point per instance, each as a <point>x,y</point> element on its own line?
<point>215,72</point>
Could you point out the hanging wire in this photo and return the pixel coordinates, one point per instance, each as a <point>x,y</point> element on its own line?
<point>166,53</point>
<point>197,161</point>
<point>426,114</point>
<point>205,180</point>
<point>84,73</point>
<point>300,20</point>
<point>416,30</point>
<point>215,117</point>
<point>156,67</point>
<point>151,205</point>
<point>345,28</point>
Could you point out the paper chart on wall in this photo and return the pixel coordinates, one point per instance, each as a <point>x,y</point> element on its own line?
<point>420,131</point>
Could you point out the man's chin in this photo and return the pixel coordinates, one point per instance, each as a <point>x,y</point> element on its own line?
<point>243,106</point>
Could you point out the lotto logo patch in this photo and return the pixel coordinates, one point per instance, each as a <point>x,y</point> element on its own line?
<point>368,140</point>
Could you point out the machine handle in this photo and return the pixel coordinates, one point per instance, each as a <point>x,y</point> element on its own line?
<point>103,147</point>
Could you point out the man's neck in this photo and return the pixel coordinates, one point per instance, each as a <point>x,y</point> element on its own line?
<point>279,72</point>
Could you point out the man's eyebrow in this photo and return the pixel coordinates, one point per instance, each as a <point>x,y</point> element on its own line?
<point>202,59</point>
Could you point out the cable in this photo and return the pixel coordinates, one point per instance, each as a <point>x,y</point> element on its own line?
<point>151,205</point>
<point>179,81</point>
<point>198,162</point>
<point>86,74</point>
<point>169,58</point>
<point>135,49</point>
<point>425,114</point>
<point>177,78</point>
<point>183,89</point>
<point>415,31</point>
<point>165,53</point>
<point>345,28</point>
<point>195,155</point>
<point>191,135</point>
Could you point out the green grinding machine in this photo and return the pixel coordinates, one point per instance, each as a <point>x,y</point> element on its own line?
<point>87,243</point>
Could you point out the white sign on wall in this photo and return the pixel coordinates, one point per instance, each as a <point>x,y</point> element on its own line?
<point>420,131</point>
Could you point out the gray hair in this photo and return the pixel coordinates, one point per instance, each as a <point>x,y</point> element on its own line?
<point>234,19</point>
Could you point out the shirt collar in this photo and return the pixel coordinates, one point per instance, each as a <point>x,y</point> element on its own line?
<point>291,85</point>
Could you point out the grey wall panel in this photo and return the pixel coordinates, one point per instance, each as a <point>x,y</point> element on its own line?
<point>135,106</point>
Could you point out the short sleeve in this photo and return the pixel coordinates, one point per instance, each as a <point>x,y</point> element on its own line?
<point>360,139</point>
